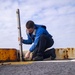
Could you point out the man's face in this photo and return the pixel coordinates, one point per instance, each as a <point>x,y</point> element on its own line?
<point>30,30</point>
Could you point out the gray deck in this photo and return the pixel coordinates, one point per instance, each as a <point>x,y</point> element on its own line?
<point>40,68</point>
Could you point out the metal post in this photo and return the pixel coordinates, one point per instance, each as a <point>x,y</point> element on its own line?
<point>19,34</point>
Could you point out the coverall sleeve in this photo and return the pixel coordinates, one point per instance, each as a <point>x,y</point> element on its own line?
<point>38,34</point>
<point>28,41</point>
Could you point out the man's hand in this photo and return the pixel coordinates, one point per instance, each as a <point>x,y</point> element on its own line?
<point>20,39</point>
<point>27,55</point>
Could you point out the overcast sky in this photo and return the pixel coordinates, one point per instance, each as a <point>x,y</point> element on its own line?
<point>57,15</point>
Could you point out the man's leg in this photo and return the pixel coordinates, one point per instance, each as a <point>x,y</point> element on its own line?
<point>43,44</point>
<point>40,48</point>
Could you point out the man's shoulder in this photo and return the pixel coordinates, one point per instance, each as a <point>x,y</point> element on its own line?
<point>40,26</point>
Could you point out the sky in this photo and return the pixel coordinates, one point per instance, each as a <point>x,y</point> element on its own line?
<point>57,15</point>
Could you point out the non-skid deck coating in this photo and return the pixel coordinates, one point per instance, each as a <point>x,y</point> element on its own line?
<point>40,68</point>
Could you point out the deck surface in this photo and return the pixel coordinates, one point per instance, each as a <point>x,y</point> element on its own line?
<point>56,67</point>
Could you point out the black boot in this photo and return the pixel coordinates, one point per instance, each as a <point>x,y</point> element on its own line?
<point>53,54</point>
<point>49,53</point>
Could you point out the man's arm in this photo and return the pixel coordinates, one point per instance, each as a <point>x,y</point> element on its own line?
<point>38,34</point>
<point>28,41</point>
